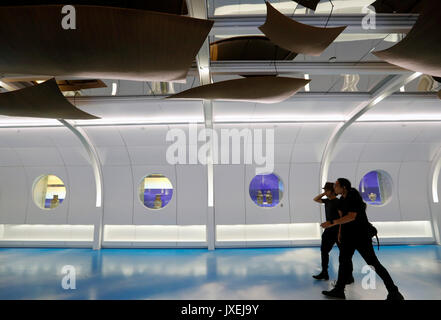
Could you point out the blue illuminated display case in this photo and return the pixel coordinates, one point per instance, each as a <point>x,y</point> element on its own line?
<point>266,190</point>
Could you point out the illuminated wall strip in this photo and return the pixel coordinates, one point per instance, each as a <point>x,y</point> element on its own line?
<point>383,92</point>
<point>28,232</point>
<point>154,233</point>
<point>311,231</point>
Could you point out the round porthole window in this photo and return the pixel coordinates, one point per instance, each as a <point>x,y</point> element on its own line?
<point>49,192</point>
<point>266,190</point>
<point>155,191</point>
<point>376,187</point>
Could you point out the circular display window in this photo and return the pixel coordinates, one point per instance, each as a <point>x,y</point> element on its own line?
<point>49,192</point>
<point>155,191</point>
<point>266,190</point>
<point>376,187</point>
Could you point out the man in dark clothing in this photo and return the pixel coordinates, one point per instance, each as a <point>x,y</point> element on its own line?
<point>330,235</point>
<point>355,236</point>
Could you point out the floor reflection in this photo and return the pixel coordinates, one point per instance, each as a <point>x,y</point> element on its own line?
<point>264,273</point>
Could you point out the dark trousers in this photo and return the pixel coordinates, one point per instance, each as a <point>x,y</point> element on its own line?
<point>364,246</point>
<point>329,238</point>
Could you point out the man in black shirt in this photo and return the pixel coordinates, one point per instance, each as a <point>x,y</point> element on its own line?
<point>330,235</point>
<point>355,236</point>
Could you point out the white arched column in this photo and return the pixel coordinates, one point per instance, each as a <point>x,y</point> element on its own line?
<point>435,196</point>
<point>391,86</point>
<point>97,171</point>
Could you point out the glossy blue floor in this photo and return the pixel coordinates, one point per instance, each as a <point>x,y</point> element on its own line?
<point>273,273</point>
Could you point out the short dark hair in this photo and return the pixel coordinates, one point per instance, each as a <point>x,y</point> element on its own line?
<point>329,186</point>
<point>345,183</point>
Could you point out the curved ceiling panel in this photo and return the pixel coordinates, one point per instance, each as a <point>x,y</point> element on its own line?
<point>420,50</point>
<point>43,100</point>
<point>310,4</point>
<point>266,89</point>
<point>165,6</point>
<point>248,48</point>
<point>108,43</point>
<point>295,36</point>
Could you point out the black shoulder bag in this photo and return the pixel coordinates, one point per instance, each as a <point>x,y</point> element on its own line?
<point>373,232</point>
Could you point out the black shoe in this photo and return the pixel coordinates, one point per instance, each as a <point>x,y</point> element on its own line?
<point>395,295</point>
<point>350,280</point>
<point>335,293</point>
<point>321,276</point>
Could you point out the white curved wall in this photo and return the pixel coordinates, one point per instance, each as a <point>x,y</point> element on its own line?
<point>128,153</point>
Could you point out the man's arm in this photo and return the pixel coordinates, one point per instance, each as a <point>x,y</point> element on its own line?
<point>318,199</point>
<point>347,218</point>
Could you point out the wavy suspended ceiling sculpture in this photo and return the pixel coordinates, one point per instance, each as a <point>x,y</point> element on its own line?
<point>248,48</point>
<point>420,50</point>
<point>397,6</point>
<point>310,4</point>
<point>108,43</point>
<point>295,36</point>
<point>165,6</point>
<point>263,89</point>
<point>43,100</point>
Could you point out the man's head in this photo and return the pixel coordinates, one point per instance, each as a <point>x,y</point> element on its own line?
<point>329,189</point>
<point>342,185</point>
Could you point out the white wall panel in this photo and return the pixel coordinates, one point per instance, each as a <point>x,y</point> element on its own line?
<point>391,210</point>
<point>229,110</point>
<point>413,191</point>
<point>307,152</point>
<point>383,152</point>
<point>229,198</point>
<point>74,156</point>
<point>151,135</point>
<point>343,170</point>
<point>62,137</point>
<point>240,128</point>
<point>286,133</point>
<point>315,132</point>
<point>191,194</point>
<point>82,189</point>
<point>431,132</point>
<point>113,156</point>
<point>394,132</point>
<point>36,215</point>
<point>26,138</point>
<point>304,186</point>
<point>40,156</point>
<point>348,152</point>
<point>169,110</point>
<point>142,214</point>
<point>420,151</point>
<point>118,195</point>
<point>148,155</point>
<point>14,195</point>
<point>104,136</point>
<point>358,133</point>
<point>8,157</point>
<point>282,153</point>
<point>261,215</point>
